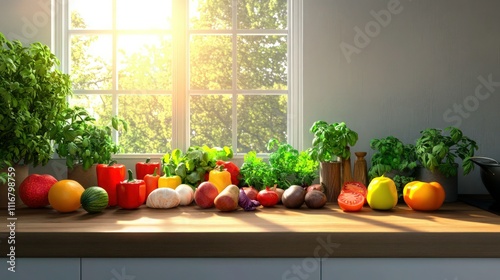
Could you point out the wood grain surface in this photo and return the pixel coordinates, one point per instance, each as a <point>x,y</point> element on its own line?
<point>456,230</point>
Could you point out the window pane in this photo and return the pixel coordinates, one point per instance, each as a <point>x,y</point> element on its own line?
<point>261,118</point>
<point>144,14</point>
<point>144,62</point>
<point>262,14</point>
<point>210,14</point>
<point>99,106</point>
<point>262,62</point>
<point>211,121</point>
<point>210,62</point>
<point>90,61</point>
<point>150,123</point>
<point>90,14</point>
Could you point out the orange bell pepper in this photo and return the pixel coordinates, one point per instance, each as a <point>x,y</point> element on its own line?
<point>151,181</point>
<point>423,196</point>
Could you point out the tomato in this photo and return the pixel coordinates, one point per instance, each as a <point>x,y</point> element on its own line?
<point>64,196</point>
<point>351,201</point>
<point>355,187</point>
<point>422,196</point>
<point>267,197</point>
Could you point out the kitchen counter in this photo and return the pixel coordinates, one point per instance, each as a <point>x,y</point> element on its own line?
<point>456,230</point>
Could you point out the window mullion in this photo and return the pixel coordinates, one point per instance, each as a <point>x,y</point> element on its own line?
<point>114,71</point>
<point>180,83</point>
<point>234,108</point>
<point>295,81</point>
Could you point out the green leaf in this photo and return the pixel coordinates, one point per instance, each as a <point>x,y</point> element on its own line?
<point>181,170</point>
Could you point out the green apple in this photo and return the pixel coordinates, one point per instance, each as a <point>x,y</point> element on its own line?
<point>382,193</point>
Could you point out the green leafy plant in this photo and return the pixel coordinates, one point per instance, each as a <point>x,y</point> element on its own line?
<point>33,94</point>
<point>391,154</point>
<point>256,172</point>
<point>81,141</point>
<point>289,166</point>
<point>401,181</point>
<point>3,175</point>
<point>331,141</point>
<point>436,151</point>
<point>195,163</point>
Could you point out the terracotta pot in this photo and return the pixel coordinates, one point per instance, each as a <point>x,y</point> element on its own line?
<point>330,175</point>
<point>87,178</point>
<point>21,172</point>
<point>449,184</point>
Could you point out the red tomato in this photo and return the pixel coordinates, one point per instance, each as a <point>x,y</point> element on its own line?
<point>267,197</point>
<point>351,201</point>
<point>355,187</point>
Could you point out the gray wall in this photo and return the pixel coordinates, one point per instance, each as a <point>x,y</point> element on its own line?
<point>426,60</point>
<point>26,20</point>
<point>414,68</point>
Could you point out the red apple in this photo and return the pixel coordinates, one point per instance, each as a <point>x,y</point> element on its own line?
<point>34,190</point>
<point>205,195</point>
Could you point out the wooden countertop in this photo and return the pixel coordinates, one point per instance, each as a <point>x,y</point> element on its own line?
<point>456,230</point>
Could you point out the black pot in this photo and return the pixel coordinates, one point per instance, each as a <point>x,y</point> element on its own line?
<point>490,175</point>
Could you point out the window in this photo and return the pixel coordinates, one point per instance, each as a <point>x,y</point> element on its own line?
<point>185,72</point>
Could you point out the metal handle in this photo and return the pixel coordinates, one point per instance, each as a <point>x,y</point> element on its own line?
<point>485,166</point>
<point>474,159</point>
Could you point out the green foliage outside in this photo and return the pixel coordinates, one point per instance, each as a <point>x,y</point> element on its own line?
<point>261,65</point>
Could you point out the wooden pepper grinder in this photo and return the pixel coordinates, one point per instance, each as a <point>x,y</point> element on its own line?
<point>346,169</point>
<point>360,168</point>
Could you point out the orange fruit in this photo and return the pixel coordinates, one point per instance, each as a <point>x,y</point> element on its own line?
<point>64,196</point>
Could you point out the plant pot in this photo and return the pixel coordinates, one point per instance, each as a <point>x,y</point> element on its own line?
<point>21,172</point>
<point>330,175</point>
<point>449,184</point>
<point>87,178</point>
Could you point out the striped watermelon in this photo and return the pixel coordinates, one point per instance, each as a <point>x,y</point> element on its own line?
<point>94,199</point>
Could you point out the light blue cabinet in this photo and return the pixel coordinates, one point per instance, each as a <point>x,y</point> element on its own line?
<point>251,269</point>
<point>206,269</point>
<point>411,269</point>
<point>42,269</point>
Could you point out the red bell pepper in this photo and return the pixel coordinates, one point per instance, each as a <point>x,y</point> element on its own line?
<point>151,181</point>
<point>131,193</point>
<point>231,168</point>
<point>143,168</point>
<point>108,176</point>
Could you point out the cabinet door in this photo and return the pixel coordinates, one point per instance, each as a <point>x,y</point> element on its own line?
<point>195,268</point>
<point>41,269</point>
<point>411,269</point>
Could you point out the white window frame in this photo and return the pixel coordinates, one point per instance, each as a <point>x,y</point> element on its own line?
<point>180,100</point>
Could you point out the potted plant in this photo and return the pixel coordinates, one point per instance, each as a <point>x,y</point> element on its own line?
<point>33,92</point>
<point>83,143</point>
<point>437,153</point>
<point>394,159</point>
<point>331,142</point>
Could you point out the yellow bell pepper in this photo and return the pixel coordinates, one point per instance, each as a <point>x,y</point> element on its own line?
<point>169,181</point>
<point>221,178</point>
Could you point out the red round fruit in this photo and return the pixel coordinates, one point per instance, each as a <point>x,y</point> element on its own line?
<point>351,201</point>
<point>34,190</point>
<point>355,187</point>
<point>267,197</point>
